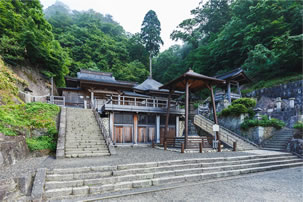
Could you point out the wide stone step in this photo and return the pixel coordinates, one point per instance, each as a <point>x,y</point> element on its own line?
<point>86,155</point>
<point>132,177</point>
<point>85,190</point>
<point>173,164</point>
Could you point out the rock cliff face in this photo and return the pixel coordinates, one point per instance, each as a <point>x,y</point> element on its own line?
<point>12,149</point>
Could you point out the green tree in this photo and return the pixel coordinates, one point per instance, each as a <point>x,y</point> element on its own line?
<point>150,34</point>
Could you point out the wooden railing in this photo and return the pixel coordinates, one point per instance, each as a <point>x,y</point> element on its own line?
<point>223,95</point>
<point>192,142</point>
<point>143,102</point>
<point>226,136</point>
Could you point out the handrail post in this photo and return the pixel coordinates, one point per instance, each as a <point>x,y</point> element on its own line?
<point>235,146</point>
<point>182,148</point>
<point>165,145</point>
<point>219,146</point>
<point>200,146</point>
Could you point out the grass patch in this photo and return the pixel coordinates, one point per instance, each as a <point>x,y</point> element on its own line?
<point>265,122</point>
<point>272,82</point>
<point>23,118</point>
<point>41,143</point>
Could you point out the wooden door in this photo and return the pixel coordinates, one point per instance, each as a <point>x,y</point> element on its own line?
<point>118,134</point>
<point>141,134</point>
<point>128,134</point>
<point>151,134</point>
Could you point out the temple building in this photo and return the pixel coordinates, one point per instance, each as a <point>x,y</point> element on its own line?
<point>135,112</point>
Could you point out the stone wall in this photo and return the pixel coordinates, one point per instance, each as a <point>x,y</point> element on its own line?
<point>12,149</point>
<point>232,123</point>
<point>295,146</point>
<point>285,91</point>
<point>258,134</point>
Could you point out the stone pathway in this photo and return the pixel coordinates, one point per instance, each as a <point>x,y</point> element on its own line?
<point>283,185</point>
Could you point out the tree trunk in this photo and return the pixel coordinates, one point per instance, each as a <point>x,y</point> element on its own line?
<point>150,66</point>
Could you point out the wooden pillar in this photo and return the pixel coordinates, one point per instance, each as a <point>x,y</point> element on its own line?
<point>167,115</point>
<point>238,87</point>
<point>92,99</point>
<point>158,128</point>
<point>214,109</point>
<point>111,127</point>
<point>186,113</point>
<point>229,92</point>
<point>135,128</point>
<point>177,125</point>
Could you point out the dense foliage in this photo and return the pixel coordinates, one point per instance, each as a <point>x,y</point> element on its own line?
<point>265,122</point>
<point>240,106</point>
<point>26,36</point>
<point>263,37</point>
<point>96,42</point>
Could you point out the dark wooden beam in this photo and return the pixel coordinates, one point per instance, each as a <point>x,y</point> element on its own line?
<point>186,113</point>
<point>167,114</point>
<point>214,109</point>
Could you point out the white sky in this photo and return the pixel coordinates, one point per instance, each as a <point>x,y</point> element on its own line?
<point>130,13</point>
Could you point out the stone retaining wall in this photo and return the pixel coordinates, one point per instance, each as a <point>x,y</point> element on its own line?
<point>12,149</point>
<point>296,146</point>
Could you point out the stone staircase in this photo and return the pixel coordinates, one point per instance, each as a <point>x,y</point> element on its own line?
<point>279,141</point>
<point>83,135</point>
<point>94,182</point>
<point>227,136</point>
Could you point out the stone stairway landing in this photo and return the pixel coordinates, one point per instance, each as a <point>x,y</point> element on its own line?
<point>278,142</point>
<point>83,135</point>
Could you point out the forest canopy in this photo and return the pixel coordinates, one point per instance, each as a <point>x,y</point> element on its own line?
<point>263,37</point>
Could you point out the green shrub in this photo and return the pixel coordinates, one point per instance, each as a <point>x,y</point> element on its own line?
<point>299,125</point>
<point>234,110</point>
<point>41,143</point>
<point>247,102</point>
<point>265,122</point>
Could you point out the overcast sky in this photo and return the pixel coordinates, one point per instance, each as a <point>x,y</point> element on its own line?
<point>130,13</point>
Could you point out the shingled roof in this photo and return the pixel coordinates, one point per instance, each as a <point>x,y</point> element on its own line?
<point>149,84</point>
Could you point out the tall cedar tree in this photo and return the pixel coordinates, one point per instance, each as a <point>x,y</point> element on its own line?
<point>150,34</point>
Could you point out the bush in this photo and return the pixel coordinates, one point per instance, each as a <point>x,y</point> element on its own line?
<point>247,102</point>
<point>265,122</point>
<point>299,125</point>
<point>41,143</point>
<point>234,110</point>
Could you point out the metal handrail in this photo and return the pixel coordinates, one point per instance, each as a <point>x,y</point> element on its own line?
<point>229,131</point>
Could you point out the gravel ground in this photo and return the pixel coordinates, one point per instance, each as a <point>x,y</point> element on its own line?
<point>284,185</point>
<point>22,167</point>
<point>134,155</point>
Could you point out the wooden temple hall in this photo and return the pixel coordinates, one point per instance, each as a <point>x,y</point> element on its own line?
<point>147,112</point>
<point>136,112</point>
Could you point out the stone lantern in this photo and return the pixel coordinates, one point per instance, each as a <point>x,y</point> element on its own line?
<point>292,103</point>
<point>258,115</point>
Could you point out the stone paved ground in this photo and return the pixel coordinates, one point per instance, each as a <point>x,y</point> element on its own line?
<point>284,185</point>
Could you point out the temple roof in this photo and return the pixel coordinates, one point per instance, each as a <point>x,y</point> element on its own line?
<point>235,75</point>
<point>149,84</point>
<point>197,81</point>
